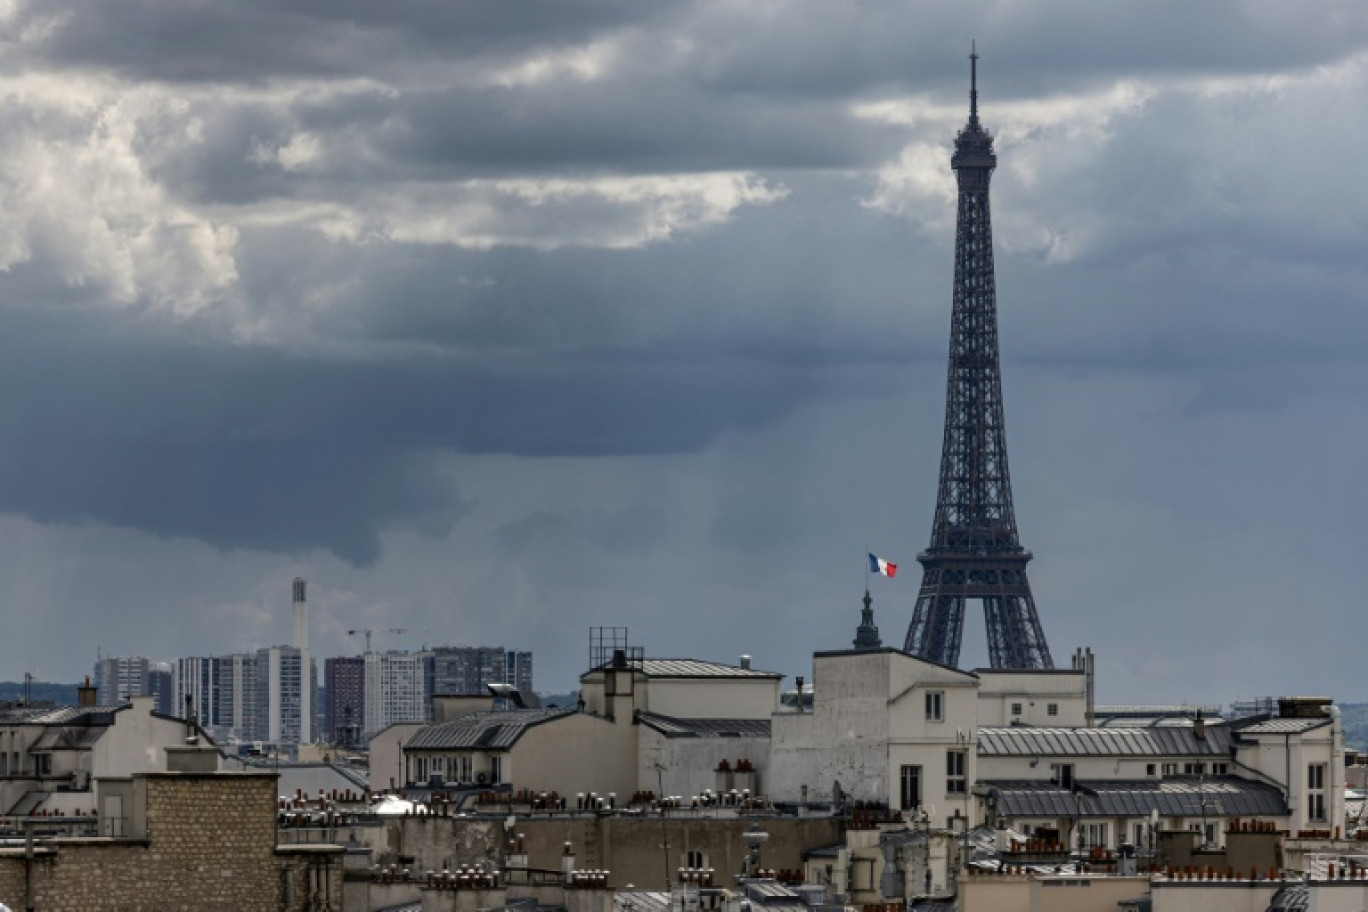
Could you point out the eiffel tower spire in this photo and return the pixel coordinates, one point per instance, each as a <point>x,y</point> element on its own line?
<point>975,552</point>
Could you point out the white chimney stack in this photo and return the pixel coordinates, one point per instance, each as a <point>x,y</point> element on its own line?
<point>300,638</point>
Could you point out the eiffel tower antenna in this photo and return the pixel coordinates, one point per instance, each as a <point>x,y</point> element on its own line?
<point>975,552</point>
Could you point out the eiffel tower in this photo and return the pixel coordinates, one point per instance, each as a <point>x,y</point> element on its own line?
<point>975,552</point>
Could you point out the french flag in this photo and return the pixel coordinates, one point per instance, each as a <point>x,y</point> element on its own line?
<point>882,567</point>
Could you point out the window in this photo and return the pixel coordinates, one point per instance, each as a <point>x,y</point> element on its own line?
<point>1150,769</point>
<point>1062,774</point>
<point>1315,791</point>
<point>1016,709</point>
<point>935,706</point>
<point>495,769</point>
<point>1052,709</point>
<point>956,782</point>
<point>910,787</point>
<point>1170,769</point>
<point>1194,769</point>
<point>695,859</point>
<point>1315,806</point>
<point>1094,834</point>
<point>1220,769</point>
<point>1206,831</point>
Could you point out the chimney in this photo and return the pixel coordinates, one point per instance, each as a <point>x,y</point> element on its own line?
<point>85,693</point>
<point>1199,727</point>
<point>300,637</point>
<point>745,662</point>
<point>567,861</point>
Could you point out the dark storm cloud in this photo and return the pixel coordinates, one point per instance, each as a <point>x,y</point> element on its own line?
<point>257,448</point>
<point>256,40</point>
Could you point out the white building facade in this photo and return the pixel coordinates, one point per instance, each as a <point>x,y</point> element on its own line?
<point>396,689</point>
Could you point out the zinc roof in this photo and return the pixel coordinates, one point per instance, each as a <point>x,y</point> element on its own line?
<point>671,727</point>
<point>641,901</point>
<point>693,668</point>
<point>769,889</point>
<point>1283,726</point>
<point>76,737</point>
<point>1223,796</point>
<point>59,715</point>
<point>1159,741</point>
<point>486,731</point>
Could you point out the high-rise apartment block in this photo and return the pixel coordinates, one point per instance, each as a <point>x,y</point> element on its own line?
<point>344,704</point>
<point>286,681</point>
<point>120,678</point>
<point>467,669</point>
<point>396,688</point>
<point>161,687</point>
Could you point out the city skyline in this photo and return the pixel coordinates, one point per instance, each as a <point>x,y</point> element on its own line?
<point>509,324</point>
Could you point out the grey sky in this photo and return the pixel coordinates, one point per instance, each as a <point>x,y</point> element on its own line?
<point>505,320</point>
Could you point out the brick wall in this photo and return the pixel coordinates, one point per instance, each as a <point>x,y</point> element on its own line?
<point>210,846</point>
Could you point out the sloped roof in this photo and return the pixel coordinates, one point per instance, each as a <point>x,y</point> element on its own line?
<point>641,901</point>
<point>1160,741</point>
<point>485,731</point>
<point>1221,796</point>
<point>28,803</point>
<point>75,737</point>
<point>59,715</point>
<point>671,727</point>
<point>1283,726</point>
<point>693,668</point>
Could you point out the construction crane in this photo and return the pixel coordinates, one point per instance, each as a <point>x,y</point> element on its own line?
<point>367,632</point>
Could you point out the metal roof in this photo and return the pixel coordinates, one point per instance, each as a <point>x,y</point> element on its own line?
<point>641,901</point>
<point>693,668</point>
<point>75,737</point>
<point>1222,796</point>
<point>1160,741</point>
<point>28,803</point>
<point>1295,897</point>
<point>1157,709</point>
<point>484,731</point>
<point>59,715</point>
<point>1283,726</point>
<point>671,727</point>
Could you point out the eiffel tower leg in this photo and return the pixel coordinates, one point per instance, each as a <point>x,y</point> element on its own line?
<point>937,623</point>
<point>999,636</point>
<point>1028,637</point>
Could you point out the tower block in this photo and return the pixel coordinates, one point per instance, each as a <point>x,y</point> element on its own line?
<point>975,552</point>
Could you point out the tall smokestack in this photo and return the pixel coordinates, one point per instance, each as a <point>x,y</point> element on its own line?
<point>300,639</point>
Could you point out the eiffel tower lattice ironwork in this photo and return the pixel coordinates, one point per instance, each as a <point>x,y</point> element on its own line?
<point>975,552</point>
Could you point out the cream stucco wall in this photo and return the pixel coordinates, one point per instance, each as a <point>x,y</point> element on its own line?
<point>1213,896</point>
<point>687,766</point>
<point>386,755</point>
<point>844,740</point>
<point>1035,692</point>
<point>576,753</point>
<point>703,697</point>
<point>712,698</point>
<point>1049,894</point>
<point>869,720</point>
